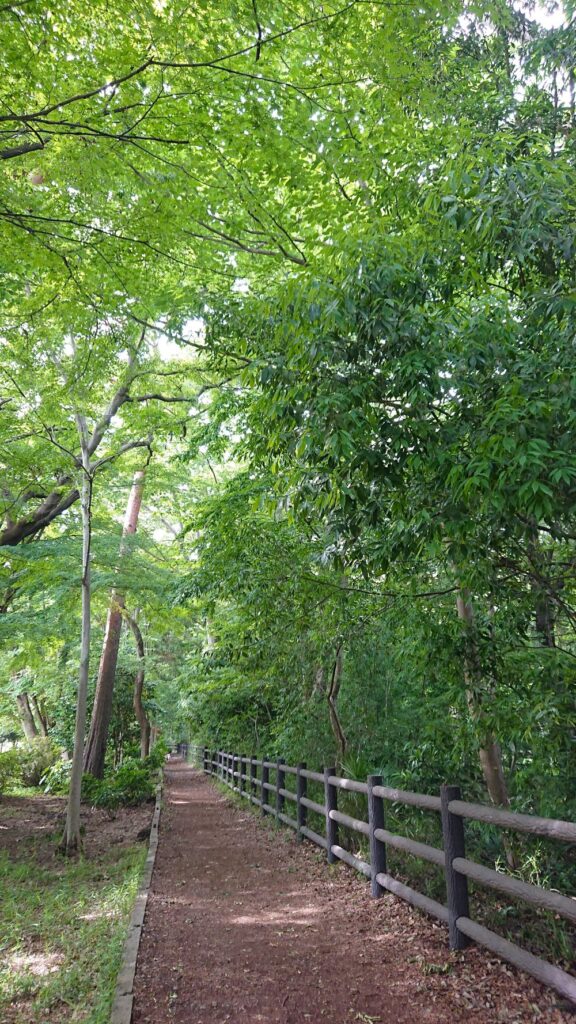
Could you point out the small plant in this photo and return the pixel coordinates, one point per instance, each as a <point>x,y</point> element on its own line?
<point>130,784</point>
<point>35,758</point>
<point>9,769</point>
<point>157,755</point>
<point>56,779</point>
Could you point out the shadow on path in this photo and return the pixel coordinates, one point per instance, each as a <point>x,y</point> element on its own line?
<point>244,925</point>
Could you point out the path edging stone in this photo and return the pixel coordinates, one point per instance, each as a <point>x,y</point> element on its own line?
<point>124,995</point>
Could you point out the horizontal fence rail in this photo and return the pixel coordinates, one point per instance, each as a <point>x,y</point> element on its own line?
<point>250,778</point>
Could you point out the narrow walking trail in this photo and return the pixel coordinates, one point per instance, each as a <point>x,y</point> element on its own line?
<point>244,925</point>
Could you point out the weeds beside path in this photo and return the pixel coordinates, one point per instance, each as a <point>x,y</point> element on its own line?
<point>62,923</point>
<point>244,925</point>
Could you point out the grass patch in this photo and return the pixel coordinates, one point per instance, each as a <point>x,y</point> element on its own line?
<point>62,929</point>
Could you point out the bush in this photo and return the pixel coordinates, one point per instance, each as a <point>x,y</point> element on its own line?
<point>35,758</point>
<point>157,755</point>
<point>57,778</point>
<point>131,784</point>
<point>9,769</point>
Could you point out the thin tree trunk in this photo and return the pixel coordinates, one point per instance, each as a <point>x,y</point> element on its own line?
<point>26,717</point>
<point>72,841</point>
<point>40,716</point>
<point>332,696</point>
<point>139,710</point>
<point>490,753</point>
<point>102,708</point>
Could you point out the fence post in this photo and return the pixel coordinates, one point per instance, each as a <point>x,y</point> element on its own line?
<point>456,884</point>
<point>241,780</point>
<point>301,809</point>
<point>331,804</point>
<point>280,784</point>
<point>253,773</point>
<point>263,783</point>
<point>235,781</point>
<point>203,759</point>
<point>377,847</point>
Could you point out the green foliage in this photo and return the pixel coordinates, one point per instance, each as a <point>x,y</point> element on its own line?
<point>9,769</point>
<point>157,756</point>
<point>132,783</point>
<point>27,764</point>
<point>326,270</point>
<point>56,779</point>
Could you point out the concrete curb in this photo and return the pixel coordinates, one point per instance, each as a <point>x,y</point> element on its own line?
<point>124,997</point>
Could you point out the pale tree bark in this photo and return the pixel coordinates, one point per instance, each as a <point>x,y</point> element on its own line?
<point>40,716</point>
<point>26,717</point>
<point>319,684</point>
<point>102,708</point>
<point>543,608</point>
<point>139,709</point>
<point>72,841</point>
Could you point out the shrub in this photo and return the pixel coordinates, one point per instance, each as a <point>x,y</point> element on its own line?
<point>157,755</point>
<point>35,758</point>
<point>9,769</point>
<point>127,786</point>
<point>57,778</point>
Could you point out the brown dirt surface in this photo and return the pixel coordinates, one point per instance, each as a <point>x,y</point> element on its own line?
<point>245,925</point>
<point>26,821</point>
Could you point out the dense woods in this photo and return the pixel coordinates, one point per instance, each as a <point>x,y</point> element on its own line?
<point>289,290</point>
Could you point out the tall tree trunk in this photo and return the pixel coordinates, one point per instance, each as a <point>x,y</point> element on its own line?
<point>476,689</point>
<point>40,716</point>
<point>139,710</point>
<point>72,841</point>
<point>332,696</point>
<point>102,708</point>
<point>26,717</point>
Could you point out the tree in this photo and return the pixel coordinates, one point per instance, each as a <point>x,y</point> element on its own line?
<point>102,708</point>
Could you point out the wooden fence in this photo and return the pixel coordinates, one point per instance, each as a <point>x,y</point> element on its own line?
<point>250,778</point>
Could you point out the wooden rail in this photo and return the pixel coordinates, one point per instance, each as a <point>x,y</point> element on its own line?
<point>241,775</point>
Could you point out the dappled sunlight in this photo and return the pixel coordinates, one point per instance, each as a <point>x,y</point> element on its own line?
<point>39,964</point>
<point>303,915</point>
<point>96,915</point>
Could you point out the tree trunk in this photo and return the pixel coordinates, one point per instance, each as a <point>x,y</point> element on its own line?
<point>102,708</point>
<point>139,710</point>
<point>490,753</point>
<point>26,717</point>
<point>41,717</point>
<point>72,841</point>
<point>333,692</point>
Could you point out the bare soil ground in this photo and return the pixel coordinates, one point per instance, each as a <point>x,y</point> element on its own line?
<point>26,822</point>
<point>244,925</point>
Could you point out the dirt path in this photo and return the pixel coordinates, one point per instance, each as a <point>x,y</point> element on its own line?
<point>244,925</point>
